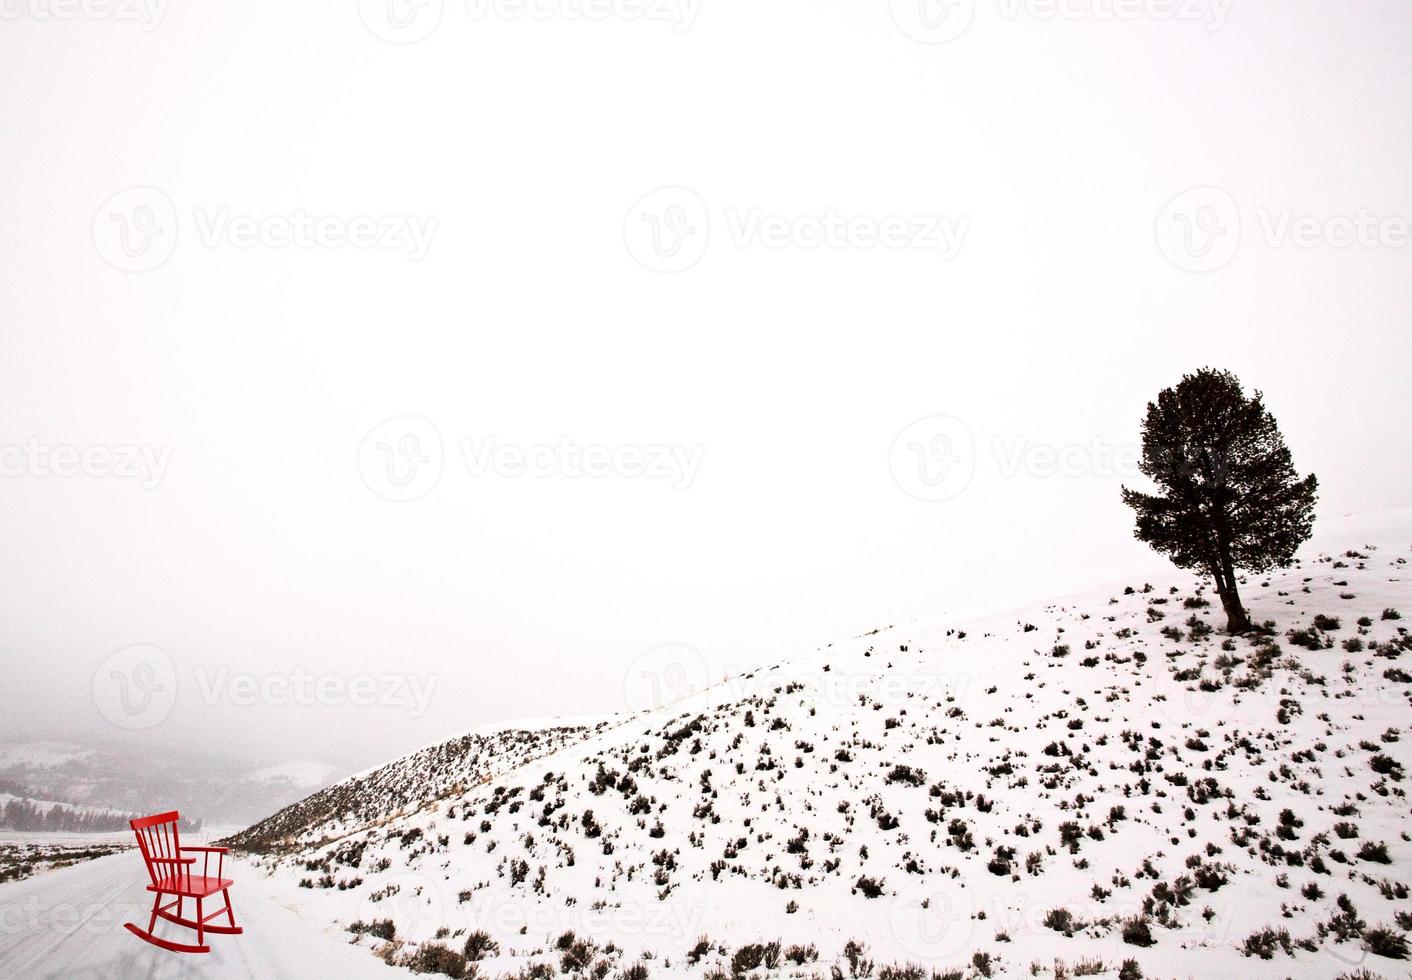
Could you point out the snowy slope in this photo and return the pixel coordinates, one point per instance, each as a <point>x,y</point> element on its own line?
<point>938,791</point>
<point>416,780</point>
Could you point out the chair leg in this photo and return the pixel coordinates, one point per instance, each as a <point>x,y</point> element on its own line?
<point>156,903</point>
<point>229,913</point>
<point>200,926</point>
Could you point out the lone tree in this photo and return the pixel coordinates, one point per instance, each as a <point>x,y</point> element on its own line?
<point>1229,494</point>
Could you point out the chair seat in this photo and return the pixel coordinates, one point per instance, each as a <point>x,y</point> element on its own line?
<point>194,886</point>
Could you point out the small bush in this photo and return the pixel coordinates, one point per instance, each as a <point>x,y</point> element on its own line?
<point>799,955</point>
<point>1136,931</point>
<point>903,971</point>
<point>577,955</point>
<point>436,958</point>
<point>857,956</point>
<point>479,945</point>
<point>1062,920</point>
<point>870,887</point>
<point>695,954</point>
<point>1383,941</point>
<point>1377,853</point>
<point>381,928</point>
<point>906,774</point>
<point>1265,942</point>
<point>747,958</point>
<point>1385,766</point>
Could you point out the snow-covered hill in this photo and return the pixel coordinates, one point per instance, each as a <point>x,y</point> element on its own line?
<point>1056,790</point>
<point>411,783</point>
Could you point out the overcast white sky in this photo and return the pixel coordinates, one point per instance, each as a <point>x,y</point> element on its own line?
<point>241,238</point>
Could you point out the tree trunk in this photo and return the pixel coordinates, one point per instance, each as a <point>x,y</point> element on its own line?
<point>1237,621</point>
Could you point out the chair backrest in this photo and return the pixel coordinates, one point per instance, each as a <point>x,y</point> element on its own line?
<point>157,837</point>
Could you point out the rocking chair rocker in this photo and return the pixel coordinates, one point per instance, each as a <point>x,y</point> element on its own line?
<point>160,843</point>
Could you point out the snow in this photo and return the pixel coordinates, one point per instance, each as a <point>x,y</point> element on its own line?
<point>1098,754</point>
<point>697,825</point>
<point>69,923</point>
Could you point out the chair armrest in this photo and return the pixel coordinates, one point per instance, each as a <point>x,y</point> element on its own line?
<point>157,860</point>
<point>208,850</point>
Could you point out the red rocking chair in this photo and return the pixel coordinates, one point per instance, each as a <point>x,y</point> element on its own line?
<point>158,839</point>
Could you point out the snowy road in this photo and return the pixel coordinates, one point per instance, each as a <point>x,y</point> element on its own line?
<point>69,924</point>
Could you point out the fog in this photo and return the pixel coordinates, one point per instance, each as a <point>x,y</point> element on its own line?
<point>390,377</point>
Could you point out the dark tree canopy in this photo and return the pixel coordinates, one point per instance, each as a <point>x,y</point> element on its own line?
<point>1228,494</point>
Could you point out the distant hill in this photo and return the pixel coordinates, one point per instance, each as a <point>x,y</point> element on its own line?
<point>430,774</point>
